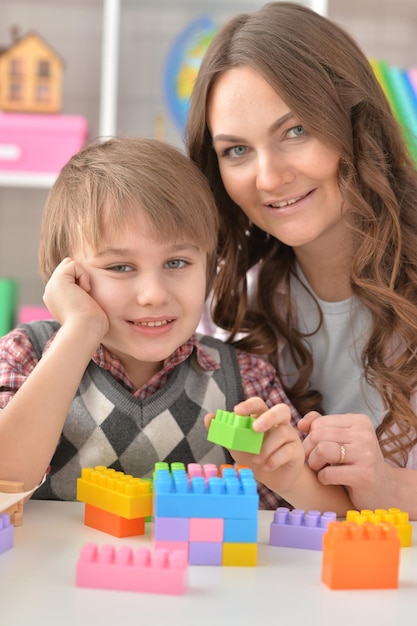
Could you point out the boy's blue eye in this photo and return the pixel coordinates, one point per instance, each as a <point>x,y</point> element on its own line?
<point>175,264</point>
<point>121,268</point>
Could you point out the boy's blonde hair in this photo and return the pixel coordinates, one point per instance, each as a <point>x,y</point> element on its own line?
<point>108,183</point>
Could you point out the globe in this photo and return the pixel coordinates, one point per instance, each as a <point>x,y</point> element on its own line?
<point>182,65</point>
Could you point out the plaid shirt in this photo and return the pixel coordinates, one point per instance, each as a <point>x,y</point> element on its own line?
<point>18,359</point>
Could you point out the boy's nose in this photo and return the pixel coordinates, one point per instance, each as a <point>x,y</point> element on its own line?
<point>151,291</point>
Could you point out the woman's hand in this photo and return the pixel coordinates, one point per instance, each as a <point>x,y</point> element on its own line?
<point>67,297</point>
<point>282,458</point>
<point>344,450</point>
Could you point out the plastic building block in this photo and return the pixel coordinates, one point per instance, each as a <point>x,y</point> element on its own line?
<point>171,529</point>
<point>164,544</point>
<point>240,554</point>
<point>15,511</point>
<point>6,532</point>
<point>209,512</point>
<point>394,516</point>
<point>360,556</point>
<point>112,524</point>
<point>235,432</point>
<point>240,530</point>
<point>126,569</point>
<point>205,553</point>
<point>208,530</point>
<point>296,529</point>
<point>234,495</point>
<point>115,492</point>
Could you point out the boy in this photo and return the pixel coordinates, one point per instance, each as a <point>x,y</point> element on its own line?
<point>128,255</point>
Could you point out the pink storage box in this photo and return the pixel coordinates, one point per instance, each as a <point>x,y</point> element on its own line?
<point>32,314</point>
<point>39,143</point>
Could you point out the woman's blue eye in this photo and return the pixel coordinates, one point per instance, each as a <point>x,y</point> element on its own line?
<point>238,150</point>
<point>298,130</point>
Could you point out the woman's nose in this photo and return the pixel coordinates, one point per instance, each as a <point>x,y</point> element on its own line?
<point>272,172</point>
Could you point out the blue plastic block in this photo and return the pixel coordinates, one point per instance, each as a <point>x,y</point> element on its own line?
<point>241,530</point>
<point>296,529</point>
<point>6,532</point>
<point>234,495</point>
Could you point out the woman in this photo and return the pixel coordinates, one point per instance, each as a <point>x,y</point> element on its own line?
<point>317,195</point>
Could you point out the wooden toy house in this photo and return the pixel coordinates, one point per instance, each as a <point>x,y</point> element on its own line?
<point>30,76</point>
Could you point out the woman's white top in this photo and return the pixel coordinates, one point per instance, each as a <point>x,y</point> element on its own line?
<point>336,348</point>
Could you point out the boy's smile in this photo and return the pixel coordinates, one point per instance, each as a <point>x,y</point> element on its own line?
<point>152,292</point>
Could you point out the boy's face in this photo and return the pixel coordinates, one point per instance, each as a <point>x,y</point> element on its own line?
<point>153,293</point>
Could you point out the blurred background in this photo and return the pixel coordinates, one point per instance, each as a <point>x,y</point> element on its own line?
<point>127,67</point>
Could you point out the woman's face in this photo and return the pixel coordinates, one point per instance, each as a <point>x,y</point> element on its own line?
<point>284,179</point>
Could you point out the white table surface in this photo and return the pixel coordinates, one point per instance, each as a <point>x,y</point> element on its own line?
<point>37,584</point>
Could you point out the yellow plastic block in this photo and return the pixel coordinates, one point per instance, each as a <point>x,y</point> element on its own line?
<point>393,516</point>
<point>240,554</point>
<point>115,492</point>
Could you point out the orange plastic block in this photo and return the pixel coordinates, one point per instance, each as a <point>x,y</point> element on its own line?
<point>15,511</point>
<point>360,556</point>
<point>115,492</point>
<point>113,524</point>
<point>394,516</point>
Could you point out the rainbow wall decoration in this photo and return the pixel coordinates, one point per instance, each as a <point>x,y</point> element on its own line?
<point>400,87</point>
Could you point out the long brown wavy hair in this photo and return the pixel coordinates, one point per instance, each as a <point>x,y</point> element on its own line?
<point>328,83</point>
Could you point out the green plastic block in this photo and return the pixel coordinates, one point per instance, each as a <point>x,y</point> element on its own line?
<point>235,432</point>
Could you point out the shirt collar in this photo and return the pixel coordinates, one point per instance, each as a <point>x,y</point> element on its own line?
<point>103,358</point>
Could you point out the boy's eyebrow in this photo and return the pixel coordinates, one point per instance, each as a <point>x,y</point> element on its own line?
<point>233,139</point>
<point>109,251</point>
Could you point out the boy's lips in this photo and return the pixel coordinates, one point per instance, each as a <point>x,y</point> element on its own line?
<point>153,323</point>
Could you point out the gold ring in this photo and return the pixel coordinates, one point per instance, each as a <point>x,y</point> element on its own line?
<point>342,454</point>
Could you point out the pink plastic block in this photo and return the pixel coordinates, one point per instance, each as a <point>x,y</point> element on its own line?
<point>6,532</point>
<point>32,314</point>
<point>205,553</point>
<point>296,529</point>
<point>39,142</point>
<point>171,528</point>
<point>163,544</point>
<point>207,471</point>
<point>126,569</point>
<point>204,529</point>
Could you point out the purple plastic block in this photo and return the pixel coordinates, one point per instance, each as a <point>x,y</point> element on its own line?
<point>205,553</point>
<point>296,529</point>
<point>6,532</point>
<point>171,528</point>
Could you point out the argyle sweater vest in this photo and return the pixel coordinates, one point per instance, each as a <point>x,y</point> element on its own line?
<point>108,426</point>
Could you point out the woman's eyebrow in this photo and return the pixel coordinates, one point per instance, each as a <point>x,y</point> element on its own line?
<point>235,139</point>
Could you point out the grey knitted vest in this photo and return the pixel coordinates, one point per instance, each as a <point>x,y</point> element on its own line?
<point>107,425</point>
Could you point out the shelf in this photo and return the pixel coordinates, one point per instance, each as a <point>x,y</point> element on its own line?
<point>27,179</point>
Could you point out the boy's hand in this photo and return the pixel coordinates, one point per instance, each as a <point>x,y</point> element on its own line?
<point>66,296</point>
<point>282,457</point>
